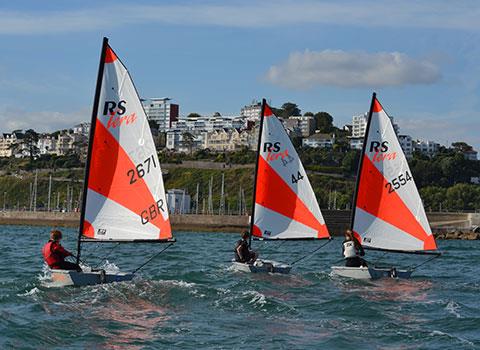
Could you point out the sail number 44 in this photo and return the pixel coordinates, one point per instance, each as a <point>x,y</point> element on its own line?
<point>141,169</point>
<point>398,182</point>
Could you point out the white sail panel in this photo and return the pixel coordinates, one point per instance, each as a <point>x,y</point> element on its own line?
<point>387,191</point>
<point>283,187</point>
<point>124,166</point>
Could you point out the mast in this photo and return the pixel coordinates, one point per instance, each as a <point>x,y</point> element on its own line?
<point>49,192</point>
<point>252,217</point>
<point>359,170</point>
<point>90,142</point>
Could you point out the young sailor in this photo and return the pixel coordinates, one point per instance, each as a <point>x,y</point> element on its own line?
<point>352,251</point>
<point>242,253</point>
<point>54,254</point>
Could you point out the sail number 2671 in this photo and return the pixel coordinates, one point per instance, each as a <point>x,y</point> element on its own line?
<point>398,182</point>
<point>141,169</point>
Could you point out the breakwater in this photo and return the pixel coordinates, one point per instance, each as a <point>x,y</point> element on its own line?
<point>337,221</point>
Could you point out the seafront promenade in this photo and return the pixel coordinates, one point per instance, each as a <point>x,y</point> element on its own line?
<point>337,221</point>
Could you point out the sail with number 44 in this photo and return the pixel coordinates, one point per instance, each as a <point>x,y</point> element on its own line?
<point>285,206</point>
<point>124,195</point>
<point>388,212</point>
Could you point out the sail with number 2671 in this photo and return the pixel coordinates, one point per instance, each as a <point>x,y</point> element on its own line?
<point>124,196</point>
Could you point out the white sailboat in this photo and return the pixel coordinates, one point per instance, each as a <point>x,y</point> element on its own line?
<point>124,196</point>
<point>388,213</point>
<point>284,204</point>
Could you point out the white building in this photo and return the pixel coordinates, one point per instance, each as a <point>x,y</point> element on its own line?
<point>470,155</point>
<point>176,140</point>
<point>304,124</point>
<point>46,144</point>
<point>82,129</point>
<point>161,111</point>
<point>406,143</point>
<point>359,127</point>
<point>428,148</point>
<point>319,141</point>
<point>178,201</point>
<point>251,111</point>
<point>7,142</point>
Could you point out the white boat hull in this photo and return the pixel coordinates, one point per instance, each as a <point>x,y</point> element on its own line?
<point>263,266</point>
<point>370,272</point>
<point>62,278</point>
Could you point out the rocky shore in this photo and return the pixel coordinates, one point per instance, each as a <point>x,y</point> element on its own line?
<point>468,235</point>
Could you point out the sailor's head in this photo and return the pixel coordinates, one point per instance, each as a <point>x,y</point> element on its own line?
<point>55,235</point>
<point>349,235</point>
<point>245,234</point>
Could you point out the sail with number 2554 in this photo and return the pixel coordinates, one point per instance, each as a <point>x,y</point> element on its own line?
<point>124,195</point>
<point>388,211</point>
<point>285,206</point>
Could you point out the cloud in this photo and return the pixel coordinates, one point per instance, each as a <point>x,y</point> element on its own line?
<point>442,128</point>
<point>464,15</point>
<point>304,70</point>
<point>41,121</point>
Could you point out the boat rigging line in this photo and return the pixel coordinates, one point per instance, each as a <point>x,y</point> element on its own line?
<point>423,263</point>
<point>106,256</point>
<point>311,253</point>
<point>151,258</point>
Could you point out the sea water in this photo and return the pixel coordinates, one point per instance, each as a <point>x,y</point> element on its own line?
<point>190,298</point>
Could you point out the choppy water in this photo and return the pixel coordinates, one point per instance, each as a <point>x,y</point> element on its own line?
<point>189,298</point>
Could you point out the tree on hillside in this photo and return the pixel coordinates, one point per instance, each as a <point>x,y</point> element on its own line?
<point>188,140</point>
<point>323,121</point>
<point>308,114</point>
<point>290,109</point>
<point>27,144</point>
<point>461,147</point>
<point>194,115</point>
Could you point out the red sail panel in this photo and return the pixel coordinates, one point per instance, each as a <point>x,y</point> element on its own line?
<point>108,176</point>
<point>374,198</point>
<point>273,193</point>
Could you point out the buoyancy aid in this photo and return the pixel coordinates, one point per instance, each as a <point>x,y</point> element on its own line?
<point>349,249</point>
<point>54,253</point>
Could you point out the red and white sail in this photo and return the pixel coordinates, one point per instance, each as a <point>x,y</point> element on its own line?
<point>389,213</point>
<point>125,199</point>
<point>285,204</point>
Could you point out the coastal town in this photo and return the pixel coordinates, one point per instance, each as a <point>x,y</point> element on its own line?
<point>217,133</point>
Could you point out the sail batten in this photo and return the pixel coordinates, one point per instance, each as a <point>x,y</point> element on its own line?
<point>285,206</point>
<point>388,212</point>
<point>124,200</point>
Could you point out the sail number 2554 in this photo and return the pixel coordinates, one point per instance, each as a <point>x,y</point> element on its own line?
<point>141,169</point>
<point>398,182</point>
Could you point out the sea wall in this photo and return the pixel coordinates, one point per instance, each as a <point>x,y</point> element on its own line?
<point>337,221</point>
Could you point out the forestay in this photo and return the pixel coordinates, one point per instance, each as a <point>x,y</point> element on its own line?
<point>388,213</point>
<point>285,204</point>
<point>125,199</point>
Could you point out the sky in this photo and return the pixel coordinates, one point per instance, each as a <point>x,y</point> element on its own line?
<point>421,57</point>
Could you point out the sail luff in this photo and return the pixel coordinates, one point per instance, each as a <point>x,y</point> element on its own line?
<point>96,100</point>
<point>254,194</point>
<point>359,170</point>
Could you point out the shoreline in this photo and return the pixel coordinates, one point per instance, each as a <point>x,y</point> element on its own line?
<point>337,222</point>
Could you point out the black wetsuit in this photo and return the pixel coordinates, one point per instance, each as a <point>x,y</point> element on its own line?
<point>244,255</point>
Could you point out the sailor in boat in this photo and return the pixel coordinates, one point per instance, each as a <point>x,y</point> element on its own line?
<point>54,254</point>
<point>352,251</point>
<point>242,253</point>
